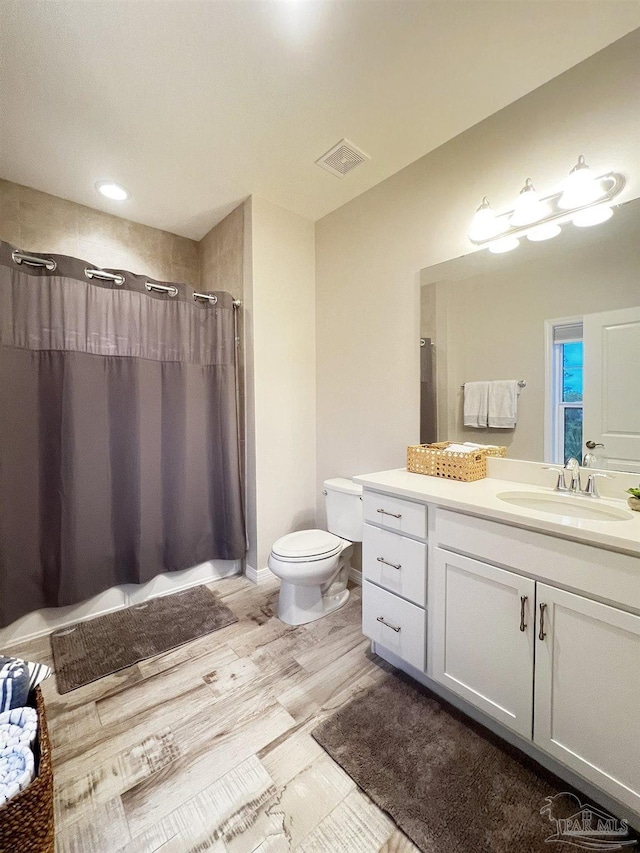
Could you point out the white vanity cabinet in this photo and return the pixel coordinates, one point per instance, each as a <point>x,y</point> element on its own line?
<point>394,575</point>
<point>538,632</point>
<point>587,690</point>
<point>500,638</point>
<point>483,627</point>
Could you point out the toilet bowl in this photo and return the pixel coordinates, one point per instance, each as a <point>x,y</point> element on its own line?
<point>313,565</point>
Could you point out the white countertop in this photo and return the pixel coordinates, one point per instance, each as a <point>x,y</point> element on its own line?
<point>480,499</point>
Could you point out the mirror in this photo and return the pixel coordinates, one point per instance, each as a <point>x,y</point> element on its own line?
<point>563,316</point>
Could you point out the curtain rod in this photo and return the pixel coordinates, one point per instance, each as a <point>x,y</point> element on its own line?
<point>49,264</point>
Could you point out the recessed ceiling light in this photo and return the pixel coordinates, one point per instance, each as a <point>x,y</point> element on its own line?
<point>111,190</point>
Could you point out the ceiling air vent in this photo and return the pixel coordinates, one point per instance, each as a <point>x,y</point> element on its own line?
<point>342,158</point>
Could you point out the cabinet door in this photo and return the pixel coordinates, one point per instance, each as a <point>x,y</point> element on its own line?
<point>587,705</point>
<point>483,637</point>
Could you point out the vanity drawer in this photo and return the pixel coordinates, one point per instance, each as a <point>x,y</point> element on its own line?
<point>395,623</point>
<point>395,562</point>
<point>395,514</point>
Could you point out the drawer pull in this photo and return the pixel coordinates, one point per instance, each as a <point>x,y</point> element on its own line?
<point>395,628</point>
<point>392,514</point>
<point>542,633</point>
<point>387,563</point>
<point>523,603</point>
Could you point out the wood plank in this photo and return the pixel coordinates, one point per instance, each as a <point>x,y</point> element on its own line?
<point>356,825</point>
<point>164,686</point>
<point>285,759</point>
<point>103,828</point>
<point>304,801</point>
<point>203,760</point>
<point>111,778</point>
<point>67,728</point>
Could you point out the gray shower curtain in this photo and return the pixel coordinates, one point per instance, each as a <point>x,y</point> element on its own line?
<point>119,452</point>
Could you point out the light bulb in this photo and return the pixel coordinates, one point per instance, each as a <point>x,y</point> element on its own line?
<point>546,231</point>
<point>580,187</point>
<point>505,244</point>
<point>111,190</point>
<point>592,216</point>
<point>528,207</point>
<point>484,225</point>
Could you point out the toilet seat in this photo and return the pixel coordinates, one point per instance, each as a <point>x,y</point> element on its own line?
<point>307,546</point>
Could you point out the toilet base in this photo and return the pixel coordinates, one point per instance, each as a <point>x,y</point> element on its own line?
<point>298,605</point>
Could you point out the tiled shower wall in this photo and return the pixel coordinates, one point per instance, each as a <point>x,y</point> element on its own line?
<point>221,255</point>
<point>39,222</point>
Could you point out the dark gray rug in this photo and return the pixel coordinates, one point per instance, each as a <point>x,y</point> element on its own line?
<point>87,651</point>
<point>448,783</point>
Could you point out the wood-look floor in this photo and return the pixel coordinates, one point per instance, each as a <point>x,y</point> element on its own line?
<point>208,747</point>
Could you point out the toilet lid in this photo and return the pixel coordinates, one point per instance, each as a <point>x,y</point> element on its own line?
<point>307,543</point>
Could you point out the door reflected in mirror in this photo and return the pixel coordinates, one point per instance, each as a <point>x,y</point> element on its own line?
<point>565,317</point>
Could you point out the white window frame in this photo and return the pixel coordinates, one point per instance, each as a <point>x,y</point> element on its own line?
<point>553,406</point>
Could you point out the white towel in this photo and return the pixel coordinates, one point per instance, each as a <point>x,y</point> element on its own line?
<point>503,403</point>
<point>17,769</point>
<point>460,448</point>
<point>476,402</point>
<point>18,726</point>
<point>474,446</point>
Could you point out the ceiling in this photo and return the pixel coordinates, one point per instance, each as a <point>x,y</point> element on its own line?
<point>194,105</point>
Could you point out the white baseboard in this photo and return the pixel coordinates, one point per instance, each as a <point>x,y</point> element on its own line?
<point>42,622</point>
<point>258,575</point>
<point>355,575</point>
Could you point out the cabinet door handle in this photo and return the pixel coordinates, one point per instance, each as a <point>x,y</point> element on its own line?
<point>392,514</point>
<point>395,628</point>
<point>542,633</point>
<point>387,563</point>
<point>523,604</point>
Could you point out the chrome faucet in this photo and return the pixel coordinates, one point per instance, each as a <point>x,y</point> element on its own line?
<point>573,466</point>
<point>591,489</point>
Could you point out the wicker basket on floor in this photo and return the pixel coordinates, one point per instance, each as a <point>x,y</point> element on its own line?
<point>437,461</point>
<point>26,821</point>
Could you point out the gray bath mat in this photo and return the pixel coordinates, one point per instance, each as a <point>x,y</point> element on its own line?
<point>448,783</point>
<point>90,650</point>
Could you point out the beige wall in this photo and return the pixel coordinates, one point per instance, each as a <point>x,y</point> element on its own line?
<point>490,325</point>
<point>369,252</point>
<point>38,222</point>
<point>280,316</point>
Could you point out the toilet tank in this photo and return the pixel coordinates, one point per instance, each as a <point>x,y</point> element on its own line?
<point>343,500</point>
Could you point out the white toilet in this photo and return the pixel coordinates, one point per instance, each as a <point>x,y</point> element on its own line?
<point>313,565</point>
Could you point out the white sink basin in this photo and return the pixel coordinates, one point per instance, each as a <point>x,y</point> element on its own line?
<point>569,507</point>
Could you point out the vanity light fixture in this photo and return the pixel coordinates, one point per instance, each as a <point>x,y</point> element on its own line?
<point>528,207</point>
<point>546,231</point>
<point>584,199</point>
<point>112,190</point>
<point>592,216</point>
<point>581,187</point>
<point>505,244</point>
<point>484,225</point>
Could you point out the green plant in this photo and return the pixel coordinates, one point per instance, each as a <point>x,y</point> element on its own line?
<point>635,492</point>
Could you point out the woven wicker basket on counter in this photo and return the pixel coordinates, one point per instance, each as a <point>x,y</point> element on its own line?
<point>26,821</point>
<point>436,461</point>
